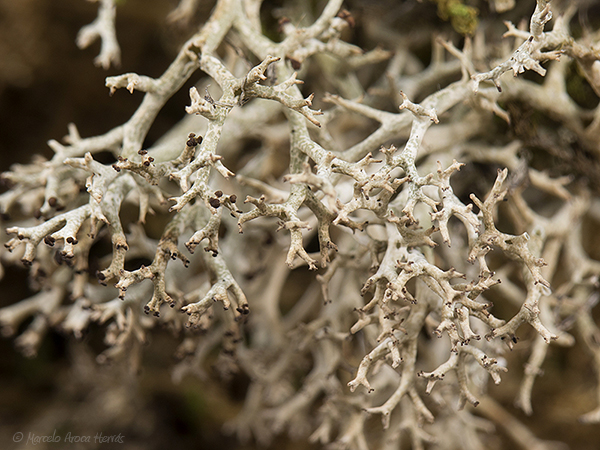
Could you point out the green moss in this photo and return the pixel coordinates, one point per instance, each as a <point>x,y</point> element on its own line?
<point>579,89</point>
<point>195,405</point>
<point>464,18</point>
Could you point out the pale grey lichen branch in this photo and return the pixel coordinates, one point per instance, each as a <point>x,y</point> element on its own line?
<point>529,55</point>
<point>365,198</point>
<point>102,28</point>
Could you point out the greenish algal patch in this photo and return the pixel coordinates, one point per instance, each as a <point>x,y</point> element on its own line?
<point>464,18</point>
